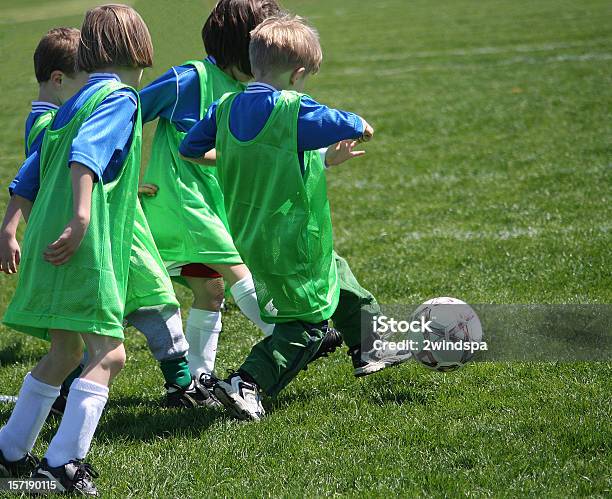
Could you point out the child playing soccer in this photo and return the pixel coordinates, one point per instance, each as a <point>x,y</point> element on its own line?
<point>185,207</point>
<point>273,182</point>
<point>58,80</point>
<point>74,269</point>
<point>150,306</point>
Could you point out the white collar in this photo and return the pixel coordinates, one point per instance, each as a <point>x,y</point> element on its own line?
<point>39,105</point>
<point>103,76</point>
<point>257,87</point>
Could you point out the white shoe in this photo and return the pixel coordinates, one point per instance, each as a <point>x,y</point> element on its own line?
<point>240,398</point>
<point>372,361</point>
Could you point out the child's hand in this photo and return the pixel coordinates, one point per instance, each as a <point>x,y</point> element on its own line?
<point>368,132</point>
<point>10,254</point>
<point>148,190</point>
<point>60,251</point>
<point>341,152</point>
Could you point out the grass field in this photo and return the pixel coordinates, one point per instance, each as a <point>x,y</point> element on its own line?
<point>489,179</point>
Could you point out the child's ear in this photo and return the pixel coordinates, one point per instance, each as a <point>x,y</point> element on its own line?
<point>297,75</point>
<point>57,78</point>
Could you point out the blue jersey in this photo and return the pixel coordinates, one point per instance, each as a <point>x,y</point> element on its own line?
<point>38,109</point>
<point>102,143</point>
<point>318,125</point>
<point>175,96</point>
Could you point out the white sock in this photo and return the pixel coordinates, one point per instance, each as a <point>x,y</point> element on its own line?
<point>246,299</point>
<point>202,333</point>
<point>86,401</point>
<point>35,399</point>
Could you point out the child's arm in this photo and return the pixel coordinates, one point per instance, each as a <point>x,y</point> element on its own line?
<point>62,249</point>
<point>320,126</point>
<point>344,150</point>
<point>208,159</point>
<point>199,144</point>
<point>10,252</point>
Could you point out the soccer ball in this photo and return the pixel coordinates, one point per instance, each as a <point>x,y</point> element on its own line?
<point>451,337</point>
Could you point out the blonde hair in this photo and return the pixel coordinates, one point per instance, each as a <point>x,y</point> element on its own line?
<point>114,35</point>
<point>284,43</point>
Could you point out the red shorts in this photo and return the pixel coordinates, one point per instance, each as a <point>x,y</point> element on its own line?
<point>199,270</point>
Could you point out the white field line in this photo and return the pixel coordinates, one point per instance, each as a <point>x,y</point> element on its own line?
<point>7,399</point>
<point>501,235</point>
<point>521,49</point>
<point>362,70</point>
<point>479,178</point>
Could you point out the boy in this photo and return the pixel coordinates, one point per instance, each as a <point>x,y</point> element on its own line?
<point>74,290</point>
<point>58,80</point>
<point>151,306</point>
<point>184,205</point>
<point>273,182</point>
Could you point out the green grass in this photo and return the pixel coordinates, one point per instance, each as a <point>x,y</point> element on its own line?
<point>489,179</point>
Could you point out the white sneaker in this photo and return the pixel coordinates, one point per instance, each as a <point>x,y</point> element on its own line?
<point>372,361</point>
<point>240,398</point>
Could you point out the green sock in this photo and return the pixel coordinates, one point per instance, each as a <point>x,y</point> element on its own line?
<point>176,372</point>
<point>71,377</point>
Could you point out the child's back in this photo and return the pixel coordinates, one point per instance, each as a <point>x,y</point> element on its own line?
<point>279,216</point>
<point>273,183</point>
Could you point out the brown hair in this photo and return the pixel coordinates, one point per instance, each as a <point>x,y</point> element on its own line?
<point>56,51</point>
<point>285,43</point>
<point>226,33</point>
<point>114,35</point>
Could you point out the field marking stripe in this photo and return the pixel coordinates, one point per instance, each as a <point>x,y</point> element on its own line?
<point>501,235</point>
<point>358,70</point>
<point>544,47</point>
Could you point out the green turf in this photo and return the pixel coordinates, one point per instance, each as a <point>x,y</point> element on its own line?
<point>489,179</point>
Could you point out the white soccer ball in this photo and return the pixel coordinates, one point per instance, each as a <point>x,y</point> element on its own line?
<point>452,336</point>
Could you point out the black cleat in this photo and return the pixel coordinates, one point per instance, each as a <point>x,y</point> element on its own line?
<point>18,469</point>
<point>208,381</point>
<point>196,395</point>
<point>331,341</point>
<point>75,477</point>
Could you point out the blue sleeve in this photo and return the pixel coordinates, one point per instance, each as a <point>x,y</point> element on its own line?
<point>108,130</point>
<point>320,126</point>
<point>174,96</point>
<point>202,136</point>
<point>27,181</point>
<point>159,97</point>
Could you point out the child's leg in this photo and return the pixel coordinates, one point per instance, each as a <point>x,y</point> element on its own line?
<point>356,304</point>
<point>204,323</point>
<point>163,329</point>
<point>243,290</point>
<point>86,400</point>
<point>277,359</point>
<point>39,391</point>
<point>353,318</point>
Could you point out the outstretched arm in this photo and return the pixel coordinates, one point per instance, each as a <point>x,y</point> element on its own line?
<point>321,126</point>
<point>66,245</point>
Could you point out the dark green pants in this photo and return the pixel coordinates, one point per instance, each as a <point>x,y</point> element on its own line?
<point>276,360</point>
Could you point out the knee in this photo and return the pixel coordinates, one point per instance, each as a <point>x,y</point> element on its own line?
<point>211,297</point>
<point>112,360</point>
